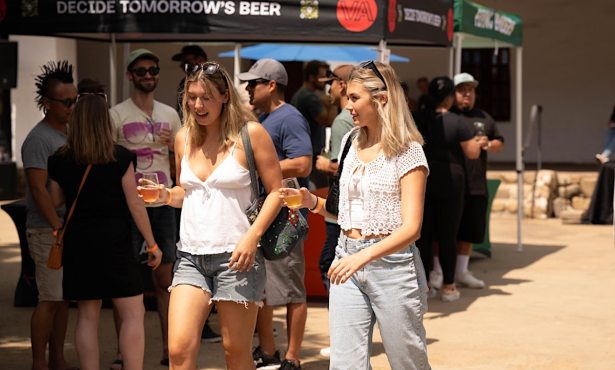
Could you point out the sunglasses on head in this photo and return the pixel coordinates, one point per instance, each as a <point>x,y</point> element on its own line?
<point>209,68</point>
<point>142,71</point>
<point>252,83</point>
<point>100,94</point>
<point>68,102</point>
<point>372,66</point>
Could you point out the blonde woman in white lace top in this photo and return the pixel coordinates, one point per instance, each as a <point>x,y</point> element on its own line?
<point>377,274</point>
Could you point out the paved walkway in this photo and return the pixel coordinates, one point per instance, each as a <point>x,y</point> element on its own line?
<point>549,307</point>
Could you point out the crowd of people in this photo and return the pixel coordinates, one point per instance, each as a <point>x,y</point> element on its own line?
<point>412,200</point>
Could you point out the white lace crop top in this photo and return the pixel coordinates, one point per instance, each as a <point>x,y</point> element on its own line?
<point>213,218</point>
<point>381,194</point>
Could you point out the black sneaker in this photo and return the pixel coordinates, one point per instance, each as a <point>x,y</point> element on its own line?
<point>290,365</point>
<point>266,362</point>
<point>210,336</point>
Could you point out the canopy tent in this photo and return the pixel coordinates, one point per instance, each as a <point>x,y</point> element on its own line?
<point>399,22</point>
<point>478,26</point>
<point>305,52</point>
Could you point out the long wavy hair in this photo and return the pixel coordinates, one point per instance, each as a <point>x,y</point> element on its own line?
<point>90,136</point>
<point>397,127</point>
<point>234,114</point>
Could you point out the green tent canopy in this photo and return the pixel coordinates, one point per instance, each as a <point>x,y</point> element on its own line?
<point>483,25</point>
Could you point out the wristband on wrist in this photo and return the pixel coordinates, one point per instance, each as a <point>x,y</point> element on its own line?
<point>169,196</point>
<point>311,209</point>
<point>320,203</point>
<point>153,249</point>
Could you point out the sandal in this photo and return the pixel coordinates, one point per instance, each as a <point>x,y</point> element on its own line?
<point>117,365</point>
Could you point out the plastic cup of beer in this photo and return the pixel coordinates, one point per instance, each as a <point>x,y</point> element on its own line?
<point>292,198</point>
<point>148,187</point>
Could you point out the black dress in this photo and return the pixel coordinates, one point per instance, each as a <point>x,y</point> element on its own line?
<point>98,259</point>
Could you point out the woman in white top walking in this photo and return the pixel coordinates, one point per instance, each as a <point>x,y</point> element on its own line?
<point>377,274</point>
<point>218,256</point>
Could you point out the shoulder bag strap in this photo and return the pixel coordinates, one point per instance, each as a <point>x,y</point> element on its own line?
<point>247,147</point>
<point>72,208</point>
<point>345,152</point>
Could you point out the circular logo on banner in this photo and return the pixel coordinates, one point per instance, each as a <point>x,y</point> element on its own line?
<point>357,15</point>
<point>2,10</point>
<point>392,15</point>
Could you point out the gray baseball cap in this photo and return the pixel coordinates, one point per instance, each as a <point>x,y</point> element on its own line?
<point>268,69</point>
<point>465,78</point>
<point>141,54</point>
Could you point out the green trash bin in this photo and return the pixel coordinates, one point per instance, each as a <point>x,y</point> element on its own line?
<point>485,246</point>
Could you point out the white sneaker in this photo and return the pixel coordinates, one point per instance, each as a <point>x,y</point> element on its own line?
<point>326,352</point>
<point>467,279</point>
<point>435,279</point>
<point>602,158</point>
<point>449,295</point>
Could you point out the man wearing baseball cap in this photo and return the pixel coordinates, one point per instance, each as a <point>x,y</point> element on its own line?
<point>290,132</point>
<point>147,128</point>
<point>189,55</point>
<point>474,218</point>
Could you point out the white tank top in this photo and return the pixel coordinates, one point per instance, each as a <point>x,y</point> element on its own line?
<point>357,187</point>
<point>213,218</point>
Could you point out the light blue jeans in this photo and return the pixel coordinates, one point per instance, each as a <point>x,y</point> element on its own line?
<point>392,291</point>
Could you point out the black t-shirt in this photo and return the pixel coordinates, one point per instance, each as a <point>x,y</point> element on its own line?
<point>443,134</point>
<point>476,169</point>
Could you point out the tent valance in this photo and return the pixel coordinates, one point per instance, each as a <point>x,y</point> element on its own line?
<point>401,22</point>
<point>484,22</point>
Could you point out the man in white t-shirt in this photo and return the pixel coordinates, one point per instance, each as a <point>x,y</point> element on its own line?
<point>147,128</point>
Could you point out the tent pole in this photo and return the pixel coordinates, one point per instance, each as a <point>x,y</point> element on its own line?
<point>125,85</point>
<point>451,62</point>
<point>382,47</point>
<point>237,64</point>
<point>519,133</point>
<point>113,71</point>
<point>458,41</point>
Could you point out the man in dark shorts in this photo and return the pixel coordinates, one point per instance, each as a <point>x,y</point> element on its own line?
<point>474,219</point>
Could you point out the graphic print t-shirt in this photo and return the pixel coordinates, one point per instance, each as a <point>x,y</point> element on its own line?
<point>138,132</point>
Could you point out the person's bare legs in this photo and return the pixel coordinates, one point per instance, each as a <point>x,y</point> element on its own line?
<point>132,333</point>
<point>296,317</point>
<point>58,336</point>
<point>86,334</point>
<point>117,322</point>
<point>188,308</point>
<point>264,326</point>
<point>162,278</point>
<point>237,322</point>
<point>45,321</point>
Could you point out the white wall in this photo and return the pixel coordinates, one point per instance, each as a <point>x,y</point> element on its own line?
<point>33,52</point>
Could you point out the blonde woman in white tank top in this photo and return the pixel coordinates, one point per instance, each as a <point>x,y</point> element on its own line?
<point>219,260</point>
<point>377,274</point>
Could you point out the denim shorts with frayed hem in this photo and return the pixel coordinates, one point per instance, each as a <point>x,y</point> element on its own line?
<point>211,273</point>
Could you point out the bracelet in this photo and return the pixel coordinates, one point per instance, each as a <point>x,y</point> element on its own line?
<point>320,203</point>
<point>311,209</point>
<point>169,196</point>
<point>153,249</point>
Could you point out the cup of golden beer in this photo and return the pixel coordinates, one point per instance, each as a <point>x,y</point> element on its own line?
<point>148,187</point>
<point>292,198</point>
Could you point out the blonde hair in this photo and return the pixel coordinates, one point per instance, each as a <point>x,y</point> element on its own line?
<point>90,135</point>
<point>234,114</point>
<point>397,127</point>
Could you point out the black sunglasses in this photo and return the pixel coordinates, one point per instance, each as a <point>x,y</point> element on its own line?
<point>209,68</point>
<point>252,83</point>
<point>142,71</point>
<point>371,65</point>
<point>102,95</point>
<point>68,102</point>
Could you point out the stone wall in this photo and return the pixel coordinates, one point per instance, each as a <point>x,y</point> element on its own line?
<point>564,195</point>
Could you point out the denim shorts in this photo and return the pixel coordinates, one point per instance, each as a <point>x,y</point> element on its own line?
<point>48,281</point>
<point>392,291</point>
<point>164,228</point>
<point>211,273</point>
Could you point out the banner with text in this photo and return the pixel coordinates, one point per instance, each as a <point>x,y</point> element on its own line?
<point>479,20</point>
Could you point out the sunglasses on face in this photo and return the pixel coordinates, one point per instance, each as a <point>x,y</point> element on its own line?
<point>372,66</point>
<point>102,95</point>
<point>252,83</point>
<point>209,68</point>
<point>142,71</point>
<point>68,102</point>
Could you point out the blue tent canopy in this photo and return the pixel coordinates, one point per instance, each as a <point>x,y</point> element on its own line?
<point>305,52</point>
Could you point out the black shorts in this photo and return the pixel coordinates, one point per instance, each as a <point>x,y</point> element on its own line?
<point>473,220</point>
